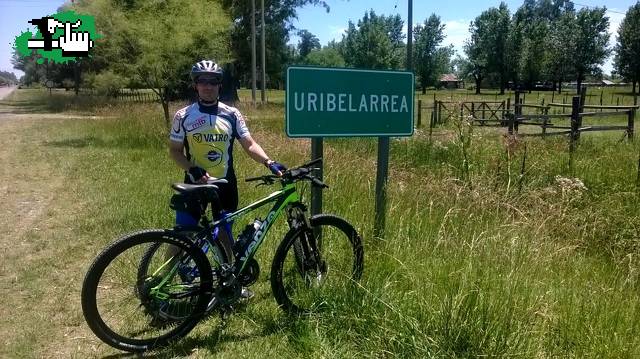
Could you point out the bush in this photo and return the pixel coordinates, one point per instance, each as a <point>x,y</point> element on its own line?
<point>108,83</point>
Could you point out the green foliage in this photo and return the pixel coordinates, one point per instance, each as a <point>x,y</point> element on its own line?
<point>7,78</point>
<point>376,42</point>
<point>487,47</point>
<point>108,83</point>
<point>430,59</point>
<point>627,50</point>
<point>590,38</point>
<point>154,44</point>
<point>278,19</point>
<point>325,57</point>
<point>308,42</point>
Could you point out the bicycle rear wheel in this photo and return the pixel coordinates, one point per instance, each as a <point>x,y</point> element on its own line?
<point>313,268</point>
<point>135,313</point>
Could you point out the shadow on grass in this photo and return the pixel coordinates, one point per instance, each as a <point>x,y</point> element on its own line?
<point>25,107</point>
<point>97,142</point>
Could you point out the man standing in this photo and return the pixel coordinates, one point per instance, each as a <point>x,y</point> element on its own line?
<point>202,137</point>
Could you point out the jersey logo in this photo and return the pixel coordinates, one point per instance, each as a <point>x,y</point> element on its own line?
<point>197,137</point>
<point>214,155</point>
<point>201,121</point>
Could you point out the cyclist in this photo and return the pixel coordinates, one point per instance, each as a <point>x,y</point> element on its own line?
<point>201,142</point>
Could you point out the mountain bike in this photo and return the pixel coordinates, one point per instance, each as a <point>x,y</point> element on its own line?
<point>152,287</point>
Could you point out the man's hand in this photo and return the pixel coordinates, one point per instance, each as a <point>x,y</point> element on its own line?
<point>198,175</point>
<point>74,41</point>
<point>275,167</point>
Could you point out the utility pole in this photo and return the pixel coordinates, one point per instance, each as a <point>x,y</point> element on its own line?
<point>264,71</point>
<point>253,52</point>
<point>383,153</point>
<point>410,38</point>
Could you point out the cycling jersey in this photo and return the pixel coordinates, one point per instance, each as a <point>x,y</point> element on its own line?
<point>208,133</point>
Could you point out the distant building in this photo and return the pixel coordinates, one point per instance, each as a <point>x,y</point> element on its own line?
<point>451,81</point>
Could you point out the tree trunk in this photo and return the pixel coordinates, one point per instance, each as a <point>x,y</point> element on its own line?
<point>560,87</point>
<point>165,108</point>
<point>424,89</point>
<point>634,88</point>
<point>478,81</point>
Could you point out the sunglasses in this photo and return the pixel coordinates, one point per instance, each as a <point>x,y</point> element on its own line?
<point>213,82</point>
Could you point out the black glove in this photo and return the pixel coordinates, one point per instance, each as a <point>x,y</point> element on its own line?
<point>196,173</point>
<point>275,167</point>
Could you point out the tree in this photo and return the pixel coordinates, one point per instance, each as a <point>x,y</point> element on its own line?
<point>154,44</point>
<point>560,48</point>
<point>487,48</point>
<point>431,61</point>
<point>627,49</point>
<point>278,17</point>
<point>325,57</point>
<point>477,57</point>
<point>307,43</point>
<point>376,42</point>
<point>590,40</point>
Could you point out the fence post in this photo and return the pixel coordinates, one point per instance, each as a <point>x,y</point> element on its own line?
<point>473,110</point>
<point>419,113</point>
<point>630,123</point>
<point>516,112</point>
<point>434,107</point>
<point>575,113</point>
<point>506,123</point>
<point>583,94</point>
<point>601,94</point>
<point>545,120</point>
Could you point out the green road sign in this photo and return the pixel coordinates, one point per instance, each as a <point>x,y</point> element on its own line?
<point>332,102</point>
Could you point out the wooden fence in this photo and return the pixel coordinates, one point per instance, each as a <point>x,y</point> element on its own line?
<point>552,118</point>
<point>130,95</point>
<point>574,120</point>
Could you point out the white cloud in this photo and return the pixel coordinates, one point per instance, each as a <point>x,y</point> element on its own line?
<point>335,33</point>
<point>615,19</point>
<point>456,32</point>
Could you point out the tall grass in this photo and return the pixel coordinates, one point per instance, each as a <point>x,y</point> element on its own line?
<point>470,265</point>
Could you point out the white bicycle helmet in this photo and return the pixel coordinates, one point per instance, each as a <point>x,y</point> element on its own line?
<point>206,67</point>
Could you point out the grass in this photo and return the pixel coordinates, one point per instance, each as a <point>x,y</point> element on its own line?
<point>487,261</point>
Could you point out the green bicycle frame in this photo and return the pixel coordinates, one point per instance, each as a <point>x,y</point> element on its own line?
<point>282,198</point>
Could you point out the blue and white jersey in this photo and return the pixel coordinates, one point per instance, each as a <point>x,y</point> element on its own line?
<point>207,133</point>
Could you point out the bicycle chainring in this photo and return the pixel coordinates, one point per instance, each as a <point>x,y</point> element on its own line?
<point>250,274</point>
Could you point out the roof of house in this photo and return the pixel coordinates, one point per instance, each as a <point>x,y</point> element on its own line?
<point>608,82</point>
<point>448,78</point>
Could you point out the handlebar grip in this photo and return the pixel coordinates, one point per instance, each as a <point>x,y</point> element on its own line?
<point>252,179</point>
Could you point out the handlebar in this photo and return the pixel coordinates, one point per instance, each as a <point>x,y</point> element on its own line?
<point>294,174</point>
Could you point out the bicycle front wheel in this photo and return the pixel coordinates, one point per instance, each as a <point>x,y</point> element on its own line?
<point>137,313</point>
<point>314,268</point>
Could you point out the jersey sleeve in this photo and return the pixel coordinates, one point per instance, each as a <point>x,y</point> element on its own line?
<point>177,130</point>
<point>241,129</point>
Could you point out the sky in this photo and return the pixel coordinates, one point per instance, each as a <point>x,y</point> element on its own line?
<point>456,15</point>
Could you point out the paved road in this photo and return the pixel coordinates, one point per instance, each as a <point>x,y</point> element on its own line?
<point>5,91</point>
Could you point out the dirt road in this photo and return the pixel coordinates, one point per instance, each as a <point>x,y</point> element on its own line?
<point>5,91</point>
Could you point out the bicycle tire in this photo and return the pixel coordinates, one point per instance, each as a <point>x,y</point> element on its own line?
<point>296,290</point>
<point>103,319</point>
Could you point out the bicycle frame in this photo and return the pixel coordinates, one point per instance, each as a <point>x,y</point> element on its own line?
<point>282,198</point>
